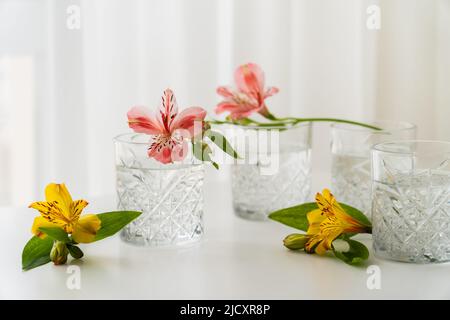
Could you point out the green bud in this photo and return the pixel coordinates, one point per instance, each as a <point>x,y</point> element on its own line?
<point>59,253</point>
<point>296,241</point>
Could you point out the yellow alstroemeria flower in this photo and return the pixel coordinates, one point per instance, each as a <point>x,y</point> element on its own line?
<point>329,222</point>
<point>61,211</point>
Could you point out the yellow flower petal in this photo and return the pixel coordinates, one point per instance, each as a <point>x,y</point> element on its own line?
<point>321,242</point>
<point>86,228</point>
<point>329,222</point>
<point>327,202</point>
<point>58,193</point>
<point>317,244</point>
<point>315,218</point>
<point>42,222</point>
<point>76,208</point>
<point>330,207</point>
<point>53,213</point>
<point>322,248</point>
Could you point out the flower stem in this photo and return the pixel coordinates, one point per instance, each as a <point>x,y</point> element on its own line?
<point>250,123</point>
<point>292,120</point>
<point>297,120</point>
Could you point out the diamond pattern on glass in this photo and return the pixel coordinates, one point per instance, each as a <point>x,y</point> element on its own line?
<point>351,181</point>
<point>171,201</point>
<point>256,195</point>
<point>411,217</point>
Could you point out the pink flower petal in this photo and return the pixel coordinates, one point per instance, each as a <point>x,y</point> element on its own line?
<point>180,151</point>
<point>141,121</point>
<point>271,91</point>
<point>225,106</point>
<point>163,155</point>
<point>249,78</point>
<point>240,114</point>
<point>168,109</point>
<point>186,119</point>
<point>225,92</point>
<point>250,96</point>
<point>167,150</point>
<point>237,110</point>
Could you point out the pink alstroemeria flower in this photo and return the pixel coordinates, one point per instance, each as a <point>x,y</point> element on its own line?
<point>170,129</point>
<point>250,94</point>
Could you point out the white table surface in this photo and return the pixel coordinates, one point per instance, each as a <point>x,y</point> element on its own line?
<point>237,259</point>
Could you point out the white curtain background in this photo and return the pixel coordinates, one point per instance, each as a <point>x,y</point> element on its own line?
<point>64,93</point>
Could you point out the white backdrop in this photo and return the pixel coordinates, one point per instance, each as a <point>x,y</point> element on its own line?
<point>64,93</point>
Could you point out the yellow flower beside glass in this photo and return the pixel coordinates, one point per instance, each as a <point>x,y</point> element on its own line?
<point>61,227</point>
<point>60,211</point>
<point>329,226</point>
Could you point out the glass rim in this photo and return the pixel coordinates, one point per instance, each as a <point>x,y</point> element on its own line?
<point>379,146</point>
<point>120,138</point>
<point>271,127</point>
<point>400,126</point>
<point>126,140</point>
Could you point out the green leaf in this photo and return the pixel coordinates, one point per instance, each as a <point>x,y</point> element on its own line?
<point>219,140</point>
<point>357,252</point>
<point>356,214</point>
<point>215,165</point>
<point>36,252</point>
<point>75,252</point>
<point>202,152</point>
<point>294,217</point>
<point>56,234</point>
<point>112,222</point>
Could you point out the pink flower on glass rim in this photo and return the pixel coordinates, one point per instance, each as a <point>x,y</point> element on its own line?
<point>250,94</point>
<point>170,129</point>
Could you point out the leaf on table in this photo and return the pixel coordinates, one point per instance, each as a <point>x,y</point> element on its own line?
<point>75,251</point>
<point>356,214</point>
<point>56,234</point>
<point>112,222</point>
<point>295,217</point>
<point>355,253</point>
<point>36,252</point>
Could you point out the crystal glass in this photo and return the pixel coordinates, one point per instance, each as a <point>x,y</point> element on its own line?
<point>170,196</point>
<point>350,164</point>
<point>275,172</point>
<point>411,201</point>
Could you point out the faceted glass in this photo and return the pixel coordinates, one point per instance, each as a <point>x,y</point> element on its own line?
<point>170,196</point>
<point>275,172</point>
<point>350,164</point>
<point>411,201</point>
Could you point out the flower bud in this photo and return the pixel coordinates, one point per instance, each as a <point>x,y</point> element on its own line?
<point>296,241</point>
<point>59,253</point>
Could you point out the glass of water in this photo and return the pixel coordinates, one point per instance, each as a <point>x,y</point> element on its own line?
<point>411,201</point>
<point>170,196</point>
<point>350,164</point>
<point>275,171</point>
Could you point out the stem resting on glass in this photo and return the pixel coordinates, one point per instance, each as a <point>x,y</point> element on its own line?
<point>292,121</point>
